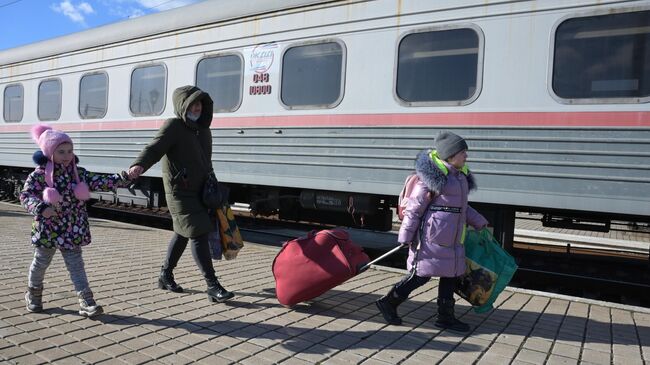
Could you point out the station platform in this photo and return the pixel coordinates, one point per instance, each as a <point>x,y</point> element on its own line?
<point>620,239</point>
<point>143,324</point>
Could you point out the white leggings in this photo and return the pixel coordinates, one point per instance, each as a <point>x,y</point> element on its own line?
<point>73,261</point>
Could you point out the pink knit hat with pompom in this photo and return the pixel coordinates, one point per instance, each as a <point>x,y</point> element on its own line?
<point>48,140</point>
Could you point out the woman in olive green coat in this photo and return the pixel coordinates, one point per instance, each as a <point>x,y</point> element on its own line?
<point>184,145</point>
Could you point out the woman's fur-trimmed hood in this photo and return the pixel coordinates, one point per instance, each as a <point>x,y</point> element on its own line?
<point>184,96</point>
<point>432,176</point>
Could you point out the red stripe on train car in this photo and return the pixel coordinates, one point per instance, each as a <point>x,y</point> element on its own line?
<point>594,119</point>
<point>525,119</point>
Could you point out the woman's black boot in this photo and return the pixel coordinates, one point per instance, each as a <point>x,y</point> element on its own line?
<point>388,307</point>
<point>166,281</point>
<point>446,318</point>
<point>216,292</point>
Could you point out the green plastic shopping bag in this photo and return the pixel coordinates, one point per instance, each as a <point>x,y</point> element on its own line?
<point>489,268</point>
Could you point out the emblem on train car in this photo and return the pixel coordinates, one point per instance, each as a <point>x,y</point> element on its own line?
<point>262,57</point>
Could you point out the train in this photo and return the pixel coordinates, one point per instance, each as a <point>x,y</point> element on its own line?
<point>321,106</point>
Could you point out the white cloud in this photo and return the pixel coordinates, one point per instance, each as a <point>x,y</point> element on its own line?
<point>86,8</point>
<point>75,13</point>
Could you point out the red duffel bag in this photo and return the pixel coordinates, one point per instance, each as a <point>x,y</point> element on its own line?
<point>307,267</point>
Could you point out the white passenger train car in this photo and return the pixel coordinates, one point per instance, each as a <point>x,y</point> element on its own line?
<point>321,106</point>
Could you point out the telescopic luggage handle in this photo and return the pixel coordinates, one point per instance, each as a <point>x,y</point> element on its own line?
<point>367,266</point>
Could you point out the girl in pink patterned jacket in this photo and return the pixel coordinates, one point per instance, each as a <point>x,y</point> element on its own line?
<point>55,193</point>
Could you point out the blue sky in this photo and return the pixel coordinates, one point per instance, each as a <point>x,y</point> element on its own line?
<point>27,21</point>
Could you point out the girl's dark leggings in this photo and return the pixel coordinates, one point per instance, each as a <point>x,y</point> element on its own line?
<point>411,282</point>
<point>200,251</point>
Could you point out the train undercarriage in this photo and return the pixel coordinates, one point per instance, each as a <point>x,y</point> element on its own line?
<point>329,208</point>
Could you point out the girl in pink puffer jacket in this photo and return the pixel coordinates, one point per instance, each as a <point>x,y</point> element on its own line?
<point>434,225</point>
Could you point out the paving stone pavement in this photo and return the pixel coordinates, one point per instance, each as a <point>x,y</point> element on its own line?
<point>143,324</point>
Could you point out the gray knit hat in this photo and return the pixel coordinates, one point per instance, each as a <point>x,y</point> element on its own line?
<point>448,144</point>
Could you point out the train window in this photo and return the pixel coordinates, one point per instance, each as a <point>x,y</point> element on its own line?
<point>49,100</point>
<point>13,103</point>
<point>222,78</point>
<point>439,67</point>
<point>312,75</point>
<point>603,58</point>
<point>93,95</point>
<point>148,90</point>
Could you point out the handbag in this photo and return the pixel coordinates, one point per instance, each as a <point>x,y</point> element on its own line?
<point>214,194</point>
<point>488,270</point>
<point>214,241</point>
<point>231,240</point>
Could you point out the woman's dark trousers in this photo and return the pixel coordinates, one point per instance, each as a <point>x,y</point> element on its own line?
<point>203,259</point>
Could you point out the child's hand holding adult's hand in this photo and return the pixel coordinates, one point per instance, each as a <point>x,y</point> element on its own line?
<point>135,172</point>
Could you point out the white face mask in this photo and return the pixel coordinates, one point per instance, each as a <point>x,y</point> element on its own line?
<point>193,117</point>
